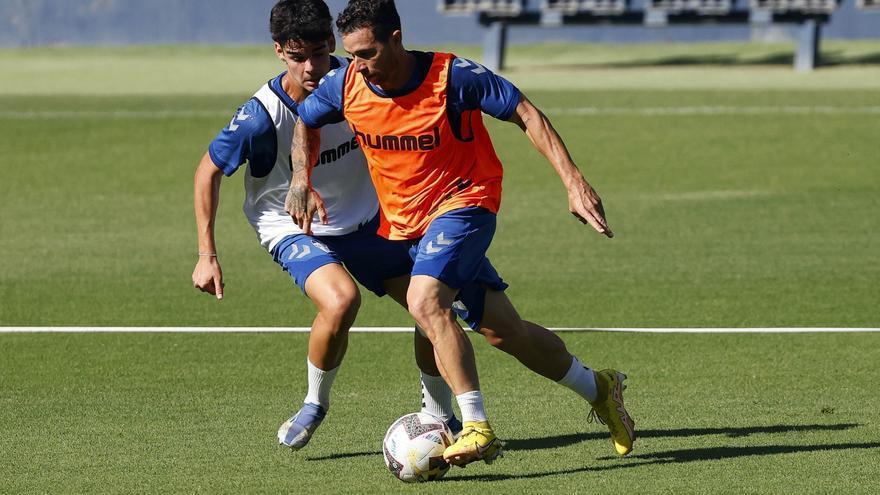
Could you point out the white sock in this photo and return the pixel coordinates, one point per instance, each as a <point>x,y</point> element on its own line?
<point>436,397</point>
<point>320,382</point>
<point>471,405</point>
<point>580,379</point>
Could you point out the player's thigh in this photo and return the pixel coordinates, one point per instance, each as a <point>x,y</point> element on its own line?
<point>331,288</point>
<point>396,288</point>
<point>454,246</point>
<point>486,292</point>
<point>427,294</point>
<point>318,272</point>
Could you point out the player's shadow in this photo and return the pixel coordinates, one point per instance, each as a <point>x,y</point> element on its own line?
<point>574,438</point>
<point>672,457</point>
<point>344,455</point>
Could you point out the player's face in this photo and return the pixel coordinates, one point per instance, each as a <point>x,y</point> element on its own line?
<point>374,59</point>
<point>306,62</point>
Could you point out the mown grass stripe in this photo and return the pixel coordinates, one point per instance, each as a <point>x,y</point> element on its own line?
<point>586,111</point>
<point>410,329</point>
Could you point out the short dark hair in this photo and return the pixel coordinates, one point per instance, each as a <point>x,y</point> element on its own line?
<point>379,15</point>
<point>301,21</point>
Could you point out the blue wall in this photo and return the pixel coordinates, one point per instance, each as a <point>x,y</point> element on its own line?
<point>40,22</point>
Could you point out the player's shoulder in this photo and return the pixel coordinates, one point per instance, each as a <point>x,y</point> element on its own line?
<point>336,74</point>
<point>251,118</point>
<point>464,68</point>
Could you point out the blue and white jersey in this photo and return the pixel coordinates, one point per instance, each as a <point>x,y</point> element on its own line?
<point>260,133</point>
<point>471,87</point>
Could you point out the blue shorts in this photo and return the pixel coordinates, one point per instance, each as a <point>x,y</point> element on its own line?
<point>372,259</point>
<point>453,250</point>
<point>369,258</point>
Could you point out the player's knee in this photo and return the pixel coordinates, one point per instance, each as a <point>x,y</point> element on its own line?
<point>422,308</point>
<point>342,304</point>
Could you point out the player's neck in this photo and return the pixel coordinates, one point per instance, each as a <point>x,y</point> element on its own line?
<point>295,91</point>
<point>406,64</point>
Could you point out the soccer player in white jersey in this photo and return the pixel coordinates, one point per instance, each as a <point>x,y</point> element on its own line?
<point>260,134</point>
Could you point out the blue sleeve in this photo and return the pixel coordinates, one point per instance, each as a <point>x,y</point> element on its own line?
<point>249,136</point>
<point>324,106</point>
<point>472,87</point>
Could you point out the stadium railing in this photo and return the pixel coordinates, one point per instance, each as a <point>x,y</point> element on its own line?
<point>497,15</point>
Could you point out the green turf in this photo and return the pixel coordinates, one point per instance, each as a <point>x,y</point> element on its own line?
<point>197,413</point>
<point>722,220</point>
<point>223,70</point>
<point>747,217</point>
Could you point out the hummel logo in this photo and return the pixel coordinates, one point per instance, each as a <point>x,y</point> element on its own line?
<point>441,241</point>
<point>296,254</point>
<point>464,64</point>
<point>241,116</point>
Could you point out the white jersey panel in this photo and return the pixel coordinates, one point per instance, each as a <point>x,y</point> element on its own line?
<point>340,177</point>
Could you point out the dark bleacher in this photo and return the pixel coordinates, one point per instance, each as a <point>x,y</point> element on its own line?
<point>804,6</point>
<point>599,7</point>
<point>496,7</point>
<point>497,15</point>
<point>704,7</point>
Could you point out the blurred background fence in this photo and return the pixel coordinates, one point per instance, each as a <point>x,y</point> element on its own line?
<point>121,22</point>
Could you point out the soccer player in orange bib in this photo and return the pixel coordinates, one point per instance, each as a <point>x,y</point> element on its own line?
<point>418,119</point>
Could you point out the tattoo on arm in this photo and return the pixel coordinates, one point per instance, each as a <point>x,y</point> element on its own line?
<point>304,150</point>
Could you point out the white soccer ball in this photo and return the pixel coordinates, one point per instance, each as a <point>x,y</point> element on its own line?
<point>414,446</point>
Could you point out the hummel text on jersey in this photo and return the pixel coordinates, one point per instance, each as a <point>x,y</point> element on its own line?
<point>405,142</point>
<point>333,154</point>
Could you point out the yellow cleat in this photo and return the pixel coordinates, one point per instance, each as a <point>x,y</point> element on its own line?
<point>476,442</point>
<point>610,411</point>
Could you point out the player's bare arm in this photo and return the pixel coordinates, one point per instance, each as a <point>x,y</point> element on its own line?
<point>302,201</point>
<point>207,276</point>
<point>583,201</point>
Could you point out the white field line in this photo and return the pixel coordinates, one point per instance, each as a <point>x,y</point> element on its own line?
<point>716,110</point>
<point>585,111</point>
<point>111,114</point>
<point>410,329</point>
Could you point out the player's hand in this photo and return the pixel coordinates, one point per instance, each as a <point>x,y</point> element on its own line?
<point>301,204</point>
<point>586,205</point>
<point>208,277</point>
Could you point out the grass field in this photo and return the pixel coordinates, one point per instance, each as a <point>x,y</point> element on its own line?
<point>741,193</point>
<point>197,413</point>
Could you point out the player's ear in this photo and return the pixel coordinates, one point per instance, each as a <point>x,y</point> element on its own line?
<point>331,43</point>
<point>396,38</point>
<point>279,51</point>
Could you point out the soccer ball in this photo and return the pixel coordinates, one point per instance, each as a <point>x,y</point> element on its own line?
<point>414,446</point>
